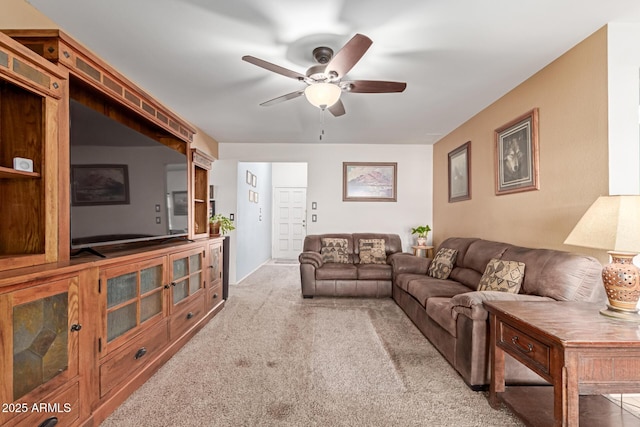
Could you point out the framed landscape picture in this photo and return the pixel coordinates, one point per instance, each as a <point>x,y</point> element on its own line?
<point>93,185</point>
<point>460,173</point>
<point>369,182</point>
<point>516,155</point>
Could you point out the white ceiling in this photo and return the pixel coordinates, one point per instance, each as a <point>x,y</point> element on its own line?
<point>457,57</point>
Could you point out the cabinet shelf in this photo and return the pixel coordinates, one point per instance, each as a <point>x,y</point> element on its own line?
<point>14,174</point>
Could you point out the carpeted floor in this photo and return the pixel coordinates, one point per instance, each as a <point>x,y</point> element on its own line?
<point>272,358</point>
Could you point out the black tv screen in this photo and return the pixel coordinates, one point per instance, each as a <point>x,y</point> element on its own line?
<point>125,186</point>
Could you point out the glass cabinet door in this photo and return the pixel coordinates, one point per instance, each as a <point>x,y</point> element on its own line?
<point>41,348</point>
<point>134,297</point>
<point>186,274</point>
<point>215,263</point>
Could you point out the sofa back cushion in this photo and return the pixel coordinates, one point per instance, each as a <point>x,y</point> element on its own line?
<point>560,275</point>
<point>473,256</point>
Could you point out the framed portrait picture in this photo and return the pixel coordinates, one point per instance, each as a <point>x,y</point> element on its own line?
<point>254,180</point>
<point>460,173</point>
<point>369,182</point>
<point>180,202</point>
<point>99,185</point>
<point>516,159</point>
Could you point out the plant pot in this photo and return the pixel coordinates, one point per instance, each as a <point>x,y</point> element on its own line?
<point>421,241</point>
<point>214,229</point>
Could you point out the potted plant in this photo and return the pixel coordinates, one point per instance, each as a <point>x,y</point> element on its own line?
<point>220,225</point>
<point>422,232</point>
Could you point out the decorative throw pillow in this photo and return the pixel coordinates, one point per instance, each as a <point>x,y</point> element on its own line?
<point>443,263</point>
<point>372,251</point>
<point>503,276</point>
<point>334,250</point>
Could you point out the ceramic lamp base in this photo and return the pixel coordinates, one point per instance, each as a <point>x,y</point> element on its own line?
<point>621,279</point>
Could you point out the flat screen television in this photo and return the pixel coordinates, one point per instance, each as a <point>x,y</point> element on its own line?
<point>125,186</point>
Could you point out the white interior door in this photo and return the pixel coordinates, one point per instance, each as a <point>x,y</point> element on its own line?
<point>290,212</point>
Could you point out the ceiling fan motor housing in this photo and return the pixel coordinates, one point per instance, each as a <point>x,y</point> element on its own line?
<point>322,54</point>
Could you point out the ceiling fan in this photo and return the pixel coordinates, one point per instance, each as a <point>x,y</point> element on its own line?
<point>325,81</point>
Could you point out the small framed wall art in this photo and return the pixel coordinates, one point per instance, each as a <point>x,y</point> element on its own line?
<point>516,155</point>
<point>460,173</point>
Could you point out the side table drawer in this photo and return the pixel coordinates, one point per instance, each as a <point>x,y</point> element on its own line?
<point>529,349</point>
<point>132,357</point>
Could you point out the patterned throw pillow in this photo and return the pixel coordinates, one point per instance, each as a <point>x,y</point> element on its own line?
<point>443,263</point>
<point>503,276</point>
<point>334,250</point>
<point>372,251</point>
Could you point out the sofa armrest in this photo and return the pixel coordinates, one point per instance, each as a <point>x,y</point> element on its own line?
<point>470,304</point>
<point>313,258</point>
<point>410,264</point>
<point>395,255</point>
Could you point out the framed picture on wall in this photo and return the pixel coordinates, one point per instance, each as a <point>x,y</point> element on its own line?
<point>460,173</point>
<point>249,178</point>
<point>369,182</point>
<point>254,181</point>
<point>93,185</point>
<point>516,155</point>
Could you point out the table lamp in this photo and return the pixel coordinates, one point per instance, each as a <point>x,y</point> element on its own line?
<point>613,223</point>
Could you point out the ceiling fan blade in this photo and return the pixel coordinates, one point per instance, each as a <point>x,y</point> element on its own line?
<point>282,98</point>
<point>373,86</point>
<point>337,109</point>
<point>348,56</point>
<point>273,67</point>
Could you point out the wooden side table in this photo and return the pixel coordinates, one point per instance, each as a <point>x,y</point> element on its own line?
<point>428,251</point>
<point>571,345</point>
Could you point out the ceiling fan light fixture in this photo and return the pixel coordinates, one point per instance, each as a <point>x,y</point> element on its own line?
<point>322,95</point>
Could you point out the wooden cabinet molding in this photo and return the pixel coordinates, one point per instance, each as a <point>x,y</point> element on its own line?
<point>58,47</point>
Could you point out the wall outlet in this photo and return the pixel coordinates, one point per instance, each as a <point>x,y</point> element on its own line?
<point>157,220</point>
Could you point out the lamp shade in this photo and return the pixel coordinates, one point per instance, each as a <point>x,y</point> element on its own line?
<point>322,95</point>
<point>611,223</point>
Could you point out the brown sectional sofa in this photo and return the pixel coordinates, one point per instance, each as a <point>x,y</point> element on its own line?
<point>450,313</point>
<point>350,278</point>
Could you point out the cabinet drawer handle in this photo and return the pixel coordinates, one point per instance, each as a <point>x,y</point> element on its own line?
<point>140,353</point>
<point>529,348</point>
<point>215,296</point>
<point>49,422</point>
<point>189,315</point>
<point>75,327</point>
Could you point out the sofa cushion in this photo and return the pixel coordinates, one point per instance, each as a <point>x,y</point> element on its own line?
<point>337,271</point>
<point>371,251</point>
<point>374,272</point>
<point>334,250</point>
<point>427,287</point>
<point>443,263</point>
<point>503,276</point>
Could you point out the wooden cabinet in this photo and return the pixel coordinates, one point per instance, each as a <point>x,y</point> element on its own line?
<point>39,331</point>
<point>140,304</point>
<point>201,165</point>
<point>31,105</point>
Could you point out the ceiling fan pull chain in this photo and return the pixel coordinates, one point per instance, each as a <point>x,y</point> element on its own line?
<point>321,123</point>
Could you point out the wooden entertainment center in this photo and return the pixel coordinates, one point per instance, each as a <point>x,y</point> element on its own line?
<point>78,334</point>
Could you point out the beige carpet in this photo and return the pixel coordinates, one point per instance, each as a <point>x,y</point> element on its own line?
<point>272,358</point>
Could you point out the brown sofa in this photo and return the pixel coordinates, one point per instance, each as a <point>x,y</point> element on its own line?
<point>350,278</point>
<point>450,313</point>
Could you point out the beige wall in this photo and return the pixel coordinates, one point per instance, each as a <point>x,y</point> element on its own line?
<point>571,94</point>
